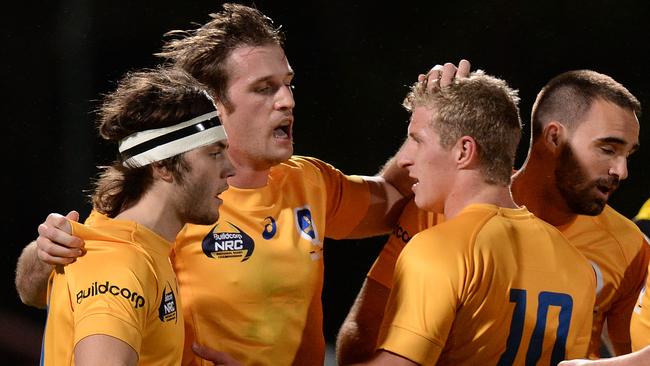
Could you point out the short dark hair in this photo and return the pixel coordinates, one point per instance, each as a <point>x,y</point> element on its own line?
<point>481,106</point>
<point>203,52</point>
<point>568,97</point>
<point>144,100</point>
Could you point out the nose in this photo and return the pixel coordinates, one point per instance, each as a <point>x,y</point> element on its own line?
<point>619,168</point>
<point>403,157</point>
<point>228,169</point>
<point>284,98</point>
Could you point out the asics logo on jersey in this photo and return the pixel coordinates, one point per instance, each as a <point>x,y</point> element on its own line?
<point>228,244</point>
<point>106,288</point>
<point>167,308</point>
<point>270,228</point>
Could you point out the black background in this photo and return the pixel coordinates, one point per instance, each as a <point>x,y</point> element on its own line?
<point>353,63</point>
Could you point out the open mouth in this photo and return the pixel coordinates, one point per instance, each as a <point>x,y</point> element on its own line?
<point>283,131</point>
<point>605,190</point>
<point>415,183</point>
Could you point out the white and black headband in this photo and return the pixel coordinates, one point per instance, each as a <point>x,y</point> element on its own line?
<point>146,147</point>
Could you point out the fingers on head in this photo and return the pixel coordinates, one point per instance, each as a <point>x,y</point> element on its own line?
<point>464,68</point>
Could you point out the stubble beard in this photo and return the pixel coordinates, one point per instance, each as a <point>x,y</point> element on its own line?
<point>575,187</point>
<point>193,206</point>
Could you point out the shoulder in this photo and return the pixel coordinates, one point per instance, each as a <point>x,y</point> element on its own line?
<point>305,165</point>
<point>109,252</point>
<point>609,230</point>
<point>310,170</point>
<point>457,234</point>
<point>303,162</point>
<point>619,227</point>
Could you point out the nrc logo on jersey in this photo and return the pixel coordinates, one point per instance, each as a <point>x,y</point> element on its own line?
<point>167,308</point>
<point>305,224</point>
<point>97,289</point>
<point>228,244</point>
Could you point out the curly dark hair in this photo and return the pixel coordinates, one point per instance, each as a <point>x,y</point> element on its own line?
<point>144,100</point>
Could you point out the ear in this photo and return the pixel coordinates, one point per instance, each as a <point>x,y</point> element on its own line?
<point>553,135</point>
<point>161,172</point>
<point>465,152</point>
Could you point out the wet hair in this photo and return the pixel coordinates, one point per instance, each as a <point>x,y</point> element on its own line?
<point>144,100</point>
<point>568,97</point>
<point>481,106</point>
<point>204,52</point>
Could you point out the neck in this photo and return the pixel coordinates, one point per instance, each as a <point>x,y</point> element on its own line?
<point>473,190</point>
<point>248,177</point>
<point>155,211</point>
<point>534,187</point>
<point>247,173</point>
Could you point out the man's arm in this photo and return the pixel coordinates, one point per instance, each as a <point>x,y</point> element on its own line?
<point>216,357</point>
<point>32,275</point>
<point>357,337</point>
<point>385,358</point>
<point>100,349</point>
<point>386,204</point>
<point>54,246</point>
<point>641,357</point>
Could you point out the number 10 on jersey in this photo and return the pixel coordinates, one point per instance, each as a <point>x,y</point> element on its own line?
<point>544,301</point>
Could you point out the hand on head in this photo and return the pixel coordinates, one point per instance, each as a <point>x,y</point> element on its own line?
<point>55,243</point>
<point>443,75</point>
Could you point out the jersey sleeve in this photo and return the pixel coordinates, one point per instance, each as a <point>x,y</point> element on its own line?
<point>383,268</point>
<point>110,292</point>
<point>406,330</point>
<point>412,221</point>
<point>347,198</point>
<point>618,316</point>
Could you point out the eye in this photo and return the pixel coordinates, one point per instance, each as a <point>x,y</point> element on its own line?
<point>607,150</point>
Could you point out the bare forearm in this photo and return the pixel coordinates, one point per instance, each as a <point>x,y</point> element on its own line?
<point>31,277</point>
<point>386,204</point>
<point>397,176</point>
<point>358,335</point>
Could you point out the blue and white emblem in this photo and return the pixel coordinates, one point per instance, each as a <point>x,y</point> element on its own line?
<point>305,225</point>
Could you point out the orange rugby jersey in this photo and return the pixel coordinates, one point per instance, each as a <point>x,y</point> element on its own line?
<point>251,284</point>
<point>124,286</point>
<point>490,286</point>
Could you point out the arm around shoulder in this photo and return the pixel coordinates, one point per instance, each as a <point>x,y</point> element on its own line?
<point>32,276</point>
<point>54,246</point>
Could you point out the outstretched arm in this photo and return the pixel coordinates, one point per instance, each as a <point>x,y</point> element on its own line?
<point>54,246</point>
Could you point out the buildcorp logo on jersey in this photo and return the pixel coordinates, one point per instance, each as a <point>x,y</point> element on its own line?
<point>101,288</point>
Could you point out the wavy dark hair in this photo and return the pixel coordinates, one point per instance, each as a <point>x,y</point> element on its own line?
<point>203,52</point>
<point>144,100</point>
